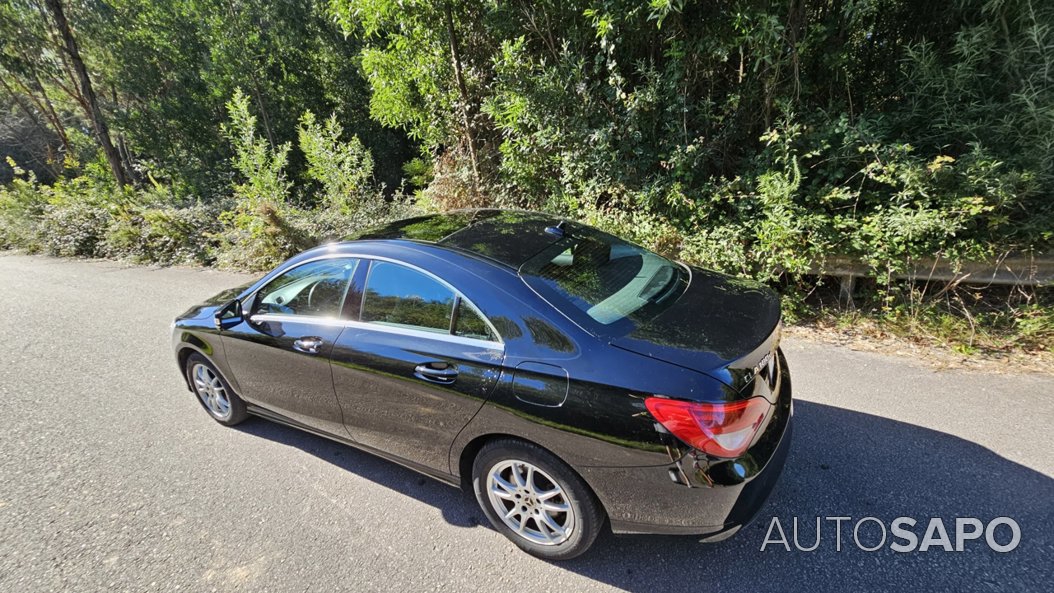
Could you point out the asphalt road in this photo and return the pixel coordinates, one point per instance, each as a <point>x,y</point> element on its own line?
<point>113,478</point>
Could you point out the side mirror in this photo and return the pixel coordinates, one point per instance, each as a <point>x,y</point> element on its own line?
<point>229,315</point>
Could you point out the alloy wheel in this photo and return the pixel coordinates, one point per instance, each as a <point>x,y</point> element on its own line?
<point>530,502</point>
<point>210,390</point>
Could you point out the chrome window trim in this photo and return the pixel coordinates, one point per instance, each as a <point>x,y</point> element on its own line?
<point>420,333</point>
<point>305,319</point>
<point>450,314</point>
<point>388,329</point>
<point>362,256</point>
<point>275,274</point>
<point>457,294</point>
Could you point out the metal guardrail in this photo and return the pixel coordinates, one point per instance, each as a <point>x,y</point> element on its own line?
<point>1018,271</point>
<point>1007,271</point>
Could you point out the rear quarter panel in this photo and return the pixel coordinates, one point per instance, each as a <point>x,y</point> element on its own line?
<point>603,421</point>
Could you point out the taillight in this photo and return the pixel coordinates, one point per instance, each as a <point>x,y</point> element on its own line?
<point>718,429</point>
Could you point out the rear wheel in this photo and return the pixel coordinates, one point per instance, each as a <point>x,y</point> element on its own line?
<point>213,392</point>
<point>536,500</point>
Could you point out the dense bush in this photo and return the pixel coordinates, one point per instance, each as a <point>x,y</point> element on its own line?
<point>165,234</point>
<point>264,227</point>
<point>756,137</point>
<point>21,206</point>
<point>752,136</point>
<point>74,229</point>
<point>256,228</point>
<point>68,218</point>
<point>783,218</point>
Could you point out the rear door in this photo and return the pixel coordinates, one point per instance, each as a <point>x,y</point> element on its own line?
<point>279,354</point>
<point>415,367</point>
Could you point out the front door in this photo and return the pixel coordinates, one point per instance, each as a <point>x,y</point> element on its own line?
<point>280,354</point>
<point>416,367</point>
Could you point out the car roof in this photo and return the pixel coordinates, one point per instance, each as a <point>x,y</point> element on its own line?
<point>507,237</point>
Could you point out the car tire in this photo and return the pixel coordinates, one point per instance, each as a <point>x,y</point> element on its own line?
<point>536,500</point>
<point>213,392</point>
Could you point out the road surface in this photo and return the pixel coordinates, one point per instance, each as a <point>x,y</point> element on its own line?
<point>113,478</point>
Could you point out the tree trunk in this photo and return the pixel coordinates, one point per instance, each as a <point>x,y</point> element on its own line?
<point>42,107</point>
<point>88,93</point>
<point>255,91</point>
<point>455,58</point>
<point>266,121</point>
<point>43,103</point>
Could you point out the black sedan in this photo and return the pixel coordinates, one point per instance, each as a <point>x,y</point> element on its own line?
<point>568,377</point>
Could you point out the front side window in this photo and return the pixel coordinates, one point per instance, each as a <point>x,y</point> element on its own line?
<point>398,296</point>
<point>314,289</point>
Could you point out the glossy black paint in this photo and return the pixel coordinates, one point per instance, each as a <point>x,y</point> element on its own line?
<point>392,407</point>
<point>272,374</point>
<point>548,381</point>
<point>710,326</point>
<point>508,237</point>
<point>722,494</point>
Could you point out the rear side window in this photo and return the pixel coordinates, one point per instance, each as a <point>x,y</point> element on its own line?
<point>314,289</point>
<point>470,323</point>
<point>398,296</point>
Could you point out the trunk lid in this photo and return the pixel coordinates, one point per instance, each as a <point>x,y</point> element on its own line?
<point>718,326</point>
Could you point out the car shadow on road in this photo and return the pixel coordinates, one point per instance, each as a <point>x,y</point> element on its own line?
<point>458,508</point>
<point>842,463</point>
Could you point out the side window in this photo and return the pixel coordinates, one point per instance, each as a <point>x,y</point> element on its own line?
<point>396,295</point>
<point>470,323</point>
<point>316,289</point>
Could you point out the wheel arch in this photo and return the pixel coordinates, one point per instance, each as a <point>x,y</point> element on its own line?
<point>468,454</point>
<point>188,349</point>
<point>182,355</point>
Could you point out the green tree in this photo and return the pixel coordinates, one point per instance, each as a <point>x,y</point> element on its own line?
<point>427,64</point>
<point>343,169</point>
<point>85,90</point>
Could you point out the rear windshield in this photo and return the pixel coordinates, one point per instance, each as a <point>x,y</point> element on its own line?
<point>602,282</point>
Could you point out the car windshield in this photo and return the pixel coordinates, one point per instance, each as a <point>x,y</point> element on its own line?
<point>605,278</point>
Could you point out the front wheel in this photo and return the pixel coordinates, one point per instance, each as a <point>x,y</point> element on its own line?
<point>536,500</point>
<point>213,392</point>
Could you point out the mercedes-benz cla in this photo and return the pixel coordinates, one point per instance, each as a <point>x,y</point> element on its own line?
<point>569,378</point>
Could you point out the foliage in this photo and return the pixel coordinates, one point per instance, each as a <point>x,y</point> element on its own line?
<point>74,229</point>
<point>256,228</point>
<point>163,233</point>
<point>263,227</point>
<point>759,138</point>
<point>21,206</point>
<point>165,70</point>
<point>996,322</point>
<point>343,170</point>
<point>68,218</point>
<point>763,135</point>
<point>408,66</point>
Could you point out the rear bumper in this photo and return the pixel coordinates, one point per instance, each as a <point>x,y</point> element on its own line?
<point>698,495</point>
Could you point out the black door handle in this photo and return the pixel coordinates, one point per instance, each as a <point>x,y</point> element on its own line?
<point>308,345</point>
<point>444,376</point>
